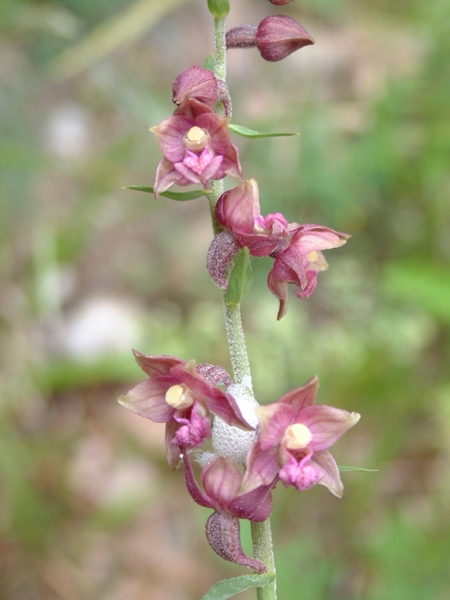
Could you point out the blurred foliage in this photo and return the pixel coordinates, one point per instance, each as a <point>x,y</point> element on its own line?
<point>89,508</point>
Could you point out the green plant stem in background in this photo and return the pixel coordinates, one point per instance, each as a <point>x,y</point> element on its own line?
<point>261,532</point>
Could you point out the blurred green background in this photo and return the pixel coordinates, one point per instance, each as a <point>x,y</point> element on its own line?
<point>88,506</point>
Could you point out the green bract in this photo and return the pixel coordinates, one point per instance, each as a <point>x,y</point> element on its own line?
<point>241,278</point>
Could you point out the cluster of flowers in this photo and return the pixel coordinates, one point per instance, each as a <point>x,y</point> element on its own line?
<point>196,145</point>
<point>253,447</point>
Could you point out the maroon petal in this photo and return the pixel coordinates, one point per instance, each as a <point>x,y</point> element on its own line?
<point>157,364</point>
<point>274,419</point>
<point>310,238</point>
<point>302,396</point>
<point>327,424</point>
<point>148,400</point>
<point>280,290</point>
<point>332,478</point>
<point>238,208</point>
<point>231,165</point>
<point>254,506</point>
<point>197,494</point>
<point>167,175</point>
<point>262,468</point>
<point>221,479</point>
<point>170,134</point>
<point>217,127</point>
<point>217,401</point>
<point>173,451</point>
<point>224,537</point>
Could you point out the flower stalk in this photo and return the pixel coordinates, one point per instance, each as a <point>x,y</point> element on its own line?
<point>261,532</point>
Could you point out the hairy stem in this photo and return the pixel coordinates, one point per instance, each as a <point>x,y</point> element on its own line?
<point>263,550</point>
<point>261,532</point>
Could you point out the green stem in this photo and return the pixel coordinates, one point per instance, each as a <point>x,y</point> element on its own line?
<point>261,532</point>
<point>263,550</point>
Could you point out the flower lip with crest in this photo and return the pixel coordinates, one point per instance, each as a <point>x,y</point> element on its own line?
<point>182,396</point>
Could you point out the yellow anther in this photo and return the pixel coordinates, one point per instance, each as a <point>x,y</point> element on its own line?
<point>297,436</point>
<point>312,256</point>
<point>196,138</point>
<point>176,397</point>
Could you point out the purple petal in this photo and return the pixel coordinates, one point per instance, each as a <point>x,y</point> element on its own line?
<point>311,238</point>
<point>327,424</point>
<point>262,469</point>
<point>217,127</point>
<point>217,401</point>
<point>280,290</point>
<point>197,494</point>
<point>274,419</point>
<point>332,478</point>
<point>302,396</point>
<point>170,134</point>
<point>148,399</point>
<point>167,175</point>
<point>156,365</point>
<point>238,208</point>
<point>173,451</point>
<point>254,506</point>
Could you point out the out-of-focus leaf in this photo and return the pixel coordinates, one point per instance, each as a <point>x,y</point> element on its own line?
<point>180,196</point>
<point>251,133</point>
<point>227,588</point>
<point>120,30</point>
<point>344,468</point>
<point>422,284</point>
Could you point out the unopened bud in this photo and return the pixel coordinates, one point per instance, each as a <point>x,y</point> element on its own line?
<point>219,8</point>
<point>280,2</point>
<point>277,36</point>
<point>243,36</point>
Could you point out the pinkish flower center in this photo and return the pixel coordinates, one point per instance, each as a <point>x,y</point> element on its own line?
<point>178,397</point>
<point>297,436</point>
<point>196,139</point>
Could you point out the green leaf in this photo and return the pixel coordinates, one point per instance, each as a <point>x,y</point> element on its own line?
<point>251,133</point>
<point>241,278</point>
<point>227,588</point>
<point>209,63</point>
<point>180,196</point>
<point>343,468</point>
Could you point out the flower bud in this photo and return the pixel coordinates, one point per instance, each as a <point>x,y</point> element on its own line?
<point>277,36</point>
<point>280,2</point>
<point>243,36</point>
<point>219,8</point>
